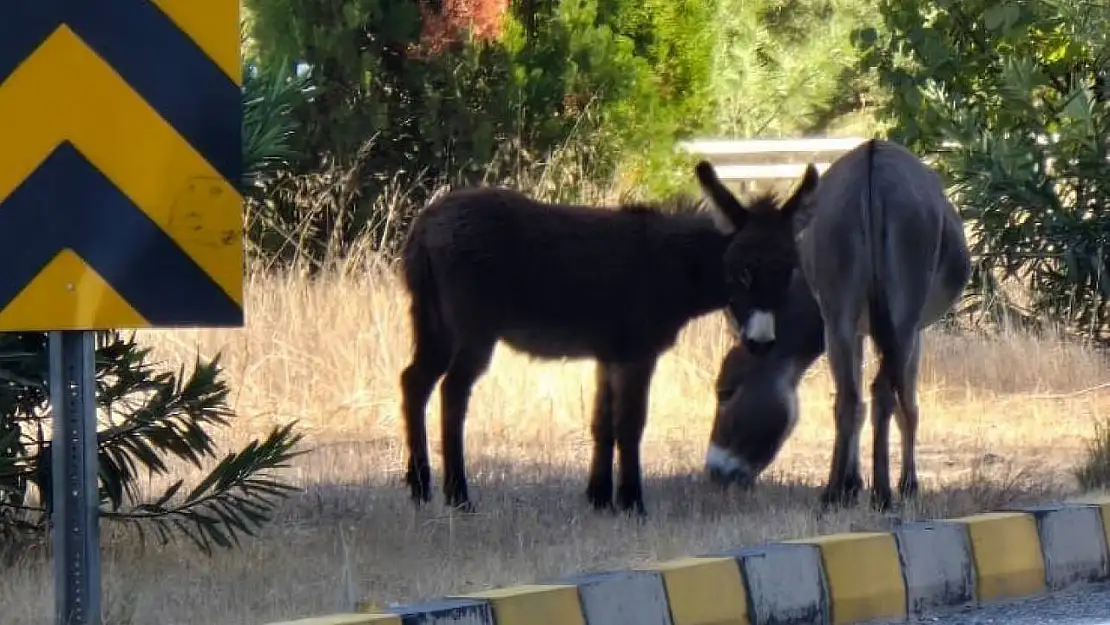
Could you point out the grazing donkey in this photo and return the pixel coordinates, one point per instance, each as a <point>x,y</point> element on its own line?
<point>883,254</point>
<point>565,281</point>
<point>757,397</point>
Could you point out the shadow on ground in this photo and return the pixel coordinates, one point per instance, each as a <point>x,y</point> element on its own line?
<point>360,538</point>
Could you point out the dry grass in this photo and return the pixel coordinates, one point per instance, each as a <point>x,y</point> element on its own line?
<point>1003,422</point>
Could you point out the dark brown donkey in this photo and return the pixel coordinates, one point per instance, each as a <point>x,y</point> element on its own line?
<point>566,281</point>
<point>883,254</point>
<point>757,265</point>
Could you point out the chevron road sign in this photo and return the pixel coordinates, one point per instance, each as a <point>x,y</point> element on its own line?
<point>119,164</point>
<point>120,158</point>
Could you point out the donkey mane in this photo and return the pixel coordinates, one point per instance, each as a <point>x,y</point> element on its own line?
<point>764,203</point>
<point>678,204</point>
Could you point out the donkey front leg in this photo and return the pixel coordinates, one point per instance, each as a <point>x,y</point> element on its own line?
<point>630,386</point>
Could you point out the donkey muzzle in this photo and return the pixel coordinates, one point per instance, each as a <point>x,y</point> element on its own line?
<point>758,334</point>
<point>725,468</point>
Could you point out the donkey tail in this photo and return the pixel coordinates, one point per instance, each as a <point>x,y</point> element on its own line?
<point>420,281</point>
<point>887,342</point>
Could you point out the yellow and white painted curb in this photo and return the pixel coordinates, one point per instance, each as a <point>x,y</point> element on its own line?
<point>918,568</point>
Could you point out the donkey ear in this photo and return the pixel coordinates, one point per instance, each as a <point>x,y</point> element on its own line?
<point>729,214</point>
<point>800,205</point>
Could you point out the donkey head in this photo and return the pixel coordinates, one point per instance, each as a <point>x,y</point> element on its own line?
<point>761,254</point>
<point>757,408</point>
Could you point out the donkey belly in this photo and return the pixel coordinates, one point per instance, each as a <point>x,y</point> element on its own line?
<point>609,342</point>
<point>941,298</point>
<point>549,341</point>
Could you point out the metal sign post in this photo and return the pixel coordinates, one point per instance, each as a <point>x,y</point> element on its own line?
<point>76,522</point>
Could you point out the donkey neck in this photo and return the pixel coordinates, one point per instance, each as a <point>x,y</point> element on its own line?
<point>802,339</point>
<point>703,248</point>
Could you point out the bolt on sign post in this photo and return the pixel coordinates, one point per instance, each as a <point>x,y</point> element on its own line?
<point>120,159</point>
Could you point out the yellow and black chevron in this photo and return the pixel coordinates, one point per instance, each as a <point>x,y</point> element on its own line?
<point>120,159</point>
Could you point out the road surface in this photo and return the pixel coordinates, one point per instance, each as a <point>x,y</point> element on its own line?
<point>1087,605</point>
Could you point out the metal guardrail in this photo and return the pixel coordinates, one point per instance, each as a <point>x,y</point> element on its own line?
<point>711,147</point>
<point>727,155</point>
<point>802,151</point>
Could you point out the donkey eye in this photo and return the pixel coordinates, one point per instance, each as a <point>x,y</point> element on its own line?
<point>744,277</point>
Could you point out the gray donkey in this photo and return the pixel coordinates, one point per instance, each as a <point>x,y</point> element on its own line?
<point>882,253</point>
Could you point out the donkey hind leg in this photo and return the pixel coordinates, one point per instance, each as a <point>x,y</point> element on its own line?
<point>882,405</point>
<point>845,352</point>
<point>468,363</point>
<point>907,411</point>
<point>631,384</point>
<point>430,359</point>
<point>599,489</point>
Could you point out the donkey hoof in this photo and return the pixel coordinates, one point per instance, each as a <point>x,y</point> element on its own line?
<point>635,510</point>
<point>908,489</point>
<point>632,503</point>
<point>464,506</point>
<point>599,502</point>
<point>600,496</point>
<point>881,500</point>
<point>420,495</point>
<point>420,489</point>
<point>636,514</point>
<point>837,498</point>
<point>458,498</point>
<point>853,486</point>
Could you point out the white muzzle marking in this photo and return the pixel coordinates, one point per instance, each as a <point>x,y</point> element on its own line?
<point>722,461</point>
<point>760,327</point>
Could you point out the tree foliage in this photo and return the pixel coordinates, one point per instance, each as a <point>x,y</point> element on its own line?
<point>787,67</point>
<point>1012,99</point>
<point>405,94</point>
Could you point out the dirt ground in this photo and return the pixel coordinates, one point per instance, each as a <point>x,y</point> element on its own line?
<point>1003,422</point>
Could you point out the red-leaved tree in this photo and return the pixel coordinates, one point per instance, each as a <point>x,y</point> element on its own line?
<point>446,22</point>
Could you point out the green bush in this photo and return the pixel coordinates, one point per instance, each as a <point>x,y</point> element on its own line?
<point>788,67</point>
<point>1021,89</point>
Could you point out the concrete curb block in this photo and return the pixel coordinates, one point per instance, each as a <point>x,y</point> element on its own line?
<point>622,597</point>
<point>916,569</point>
<point>785,583</point>
<point>863,574</point>
<point>534,604</point>
<point>704,590</point>
<point>445,612</point>
<point>1067,534</point>
<point>1006,550</point>
<point>345,619</point>
<point>937,566</point>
